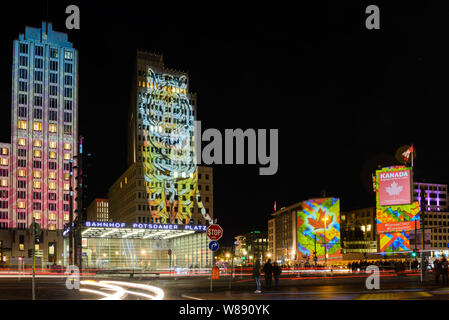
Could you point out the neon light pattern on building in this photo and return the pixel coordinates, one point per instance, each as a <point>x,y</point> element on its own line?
<point>168,148</point>
<point>311,226</point>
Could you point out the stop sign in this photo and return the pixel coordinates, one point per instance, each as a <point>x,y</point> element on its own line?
<point>214,232</point>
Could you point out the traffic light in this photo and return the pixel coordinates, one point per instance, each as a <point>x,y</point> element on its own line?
<point>414,254</point>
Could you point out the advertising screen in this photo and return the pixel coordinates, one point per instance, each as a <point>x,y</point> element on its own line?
<point>394,187</point>
<point>319,226</point>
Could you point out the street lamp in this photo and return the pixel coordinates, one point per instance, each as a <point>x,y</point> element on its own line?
<point>325,245</point>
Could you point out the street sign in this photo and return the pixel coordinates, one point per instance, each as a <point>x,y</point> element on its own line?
<point>214,232</point>
<point>213,246</point>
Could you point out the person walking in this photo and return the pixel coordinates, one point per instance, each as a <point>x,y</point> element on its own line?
<point>444,270</point>
<point>276,273</point>
<point>256,275</point>
<point>268,271</point>
<point>437,270</point>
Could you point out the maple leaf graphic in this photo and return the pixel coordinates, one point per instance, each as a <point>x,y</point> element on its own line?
<point>319,223</point>
<point>394,189</point>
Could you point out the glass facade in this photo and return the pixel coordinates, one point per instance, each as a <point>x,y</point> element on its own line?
<point>147,254</point>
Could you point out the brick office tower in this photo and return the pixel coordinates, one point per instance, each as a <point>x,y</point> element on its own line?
<point>43,140</point>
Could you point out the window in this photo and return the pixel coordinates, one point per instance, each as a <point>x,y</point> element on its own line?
<point>37,113</point>
<point>53,103</point>
<point>52,186</point>
<point>23,61</point>
<point>38,63</point>
<point>52,227</point>
<point>54,79</point>
<point>52,216</point>
<point>67,117</point>
<point>53,116</point>
<point>37,153</point>
<point>23,48</point>
<point>37,126</point>
<point>68,55</point>
<point>22,98</point>
<point>52,175</point>
<point>67,105</point>
<point>52,144</point>
<point>52,155</point>
<point>21,172</point>
<point>37,215</point>
<point>67,129</point>
<point>38,143</point>
<point>52,127</point>
<point>21,204</point>
<point>38,75</point>
<point>23,86</point>
<point>36,184</point>
<point>53,90</point>
<point>67,146</point>
<point>68,80</point>
<point>22,124</point>
<point>66,186</point>
<point>4,161</point>
<point>68,67</point>
<point>68,92</point>
<point>53,65</point>
<point>21,152</point>
<point>37,174</point>
<point>3,183</point>
<point>66,156</point>
<point>38,51</point>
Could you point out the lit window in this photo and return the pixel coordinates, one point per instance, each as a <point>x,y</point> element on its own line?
<point>4,161</point>
<point>66,156</point>
<point>363,228</point>
<point>37,174</point>
<point>52,144</point>
<point>66,186</point>
<point>37,215</point>
<point>37,143</point>
<point>36,246</point>
<point>52,175</point>
<point>21,173</point>
<point>67,146</point>
<point>36,184</point>
<point>37,126</point>
<point>37,153</point>
<point>21,204</point>
<point>51,226</point>
<point>4,151</point>
<point>51,216</point>
<point>3,183</point>
<point>21,142</point>
<point>52,185</point>
<point>66,216</point>
<point>22,124</point>
<point>66,176</point>
<point>126,180</point>
<point>52,127</point>
<point>368,227</point>
<point>21,246</point>
<point>52,155</point>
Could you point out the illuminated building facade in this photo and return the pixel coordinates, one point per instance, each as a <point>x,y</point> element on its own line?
<point>358,231</point>
<point>43,139</point>
<point>98,210</point>
<point>163,184</point>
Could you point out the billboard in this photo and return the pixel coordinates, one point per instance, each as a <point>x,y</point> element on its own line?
<point>318,226</point>
<point>396,213</point>
<point>394,187</point>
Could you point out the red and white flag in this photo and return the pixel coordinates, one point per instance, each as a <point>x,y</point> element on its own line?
<point>407,153</point>
<point>275,206</point>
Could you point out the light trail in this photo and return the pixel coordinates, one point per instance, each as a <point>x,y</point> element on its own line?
<point>120,289</point>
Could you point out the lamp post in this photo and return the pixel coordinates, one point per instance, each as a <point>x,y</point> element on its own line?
<point>325,245</point>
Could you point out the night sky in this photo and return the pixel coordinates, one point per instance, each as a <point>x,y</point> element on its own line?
<point>344,98</point>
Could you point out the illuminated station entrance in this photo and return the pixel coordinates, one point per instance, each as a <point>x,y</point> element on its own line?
<point>120,245</point>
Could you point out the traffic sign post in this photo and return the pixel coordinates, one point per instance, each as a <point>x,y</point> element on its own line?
<point>35,229</point>
<point>214,232</point>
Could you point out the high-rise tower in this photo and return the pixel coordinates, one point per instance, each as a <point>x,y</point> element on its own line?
<point>161,184</point>
<point>44,135</point>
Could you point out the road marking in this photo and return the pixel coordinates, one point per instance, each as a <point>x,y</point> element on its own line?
<point>393,296</point>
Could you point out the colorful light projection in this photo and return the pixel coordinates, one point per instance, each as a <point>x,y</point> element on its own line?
<point>168,152</point>
<point>395,221</point>
<point>394,241</point>
<point>312,227</point>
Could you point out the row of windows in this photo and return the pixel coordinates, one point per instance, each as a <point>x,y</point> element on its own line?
<point>38,185</point>
<point>37,126</point>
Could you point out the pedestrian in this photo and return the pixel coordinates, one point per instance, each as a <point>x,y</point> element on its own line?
<point>437,270</point>
<point>268,271</point>
<point>444,270</point>
<point>256,275</point>
<point>276,273</point>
